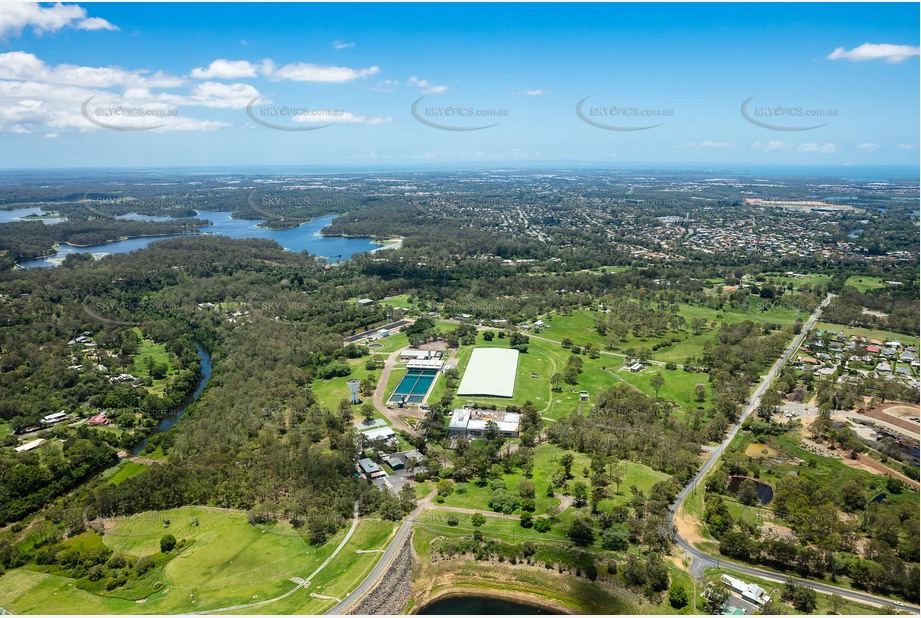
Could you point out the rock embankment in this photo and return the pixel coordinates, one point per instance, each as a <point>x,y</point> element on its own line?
<point>393,592</point>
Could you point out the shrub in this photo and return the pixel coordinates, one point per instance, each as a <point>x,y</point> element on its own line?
<point>167,543</point>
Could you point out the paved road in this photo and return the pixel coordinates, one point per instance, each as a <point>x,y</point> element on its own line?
<point>371,581</point>
<point>701,561</point>
<point>380,393</point>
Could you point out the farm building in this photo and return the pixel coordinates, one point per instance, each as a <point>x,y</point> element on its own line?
<point>370,469</point>
<point>381,433</point>
<point>28,446</point>
<point>57,417</point>
<point>364,302</point>
<point>636,367</point>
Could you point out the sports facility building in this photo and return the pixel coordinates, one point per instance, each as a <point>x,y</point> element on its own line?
<point>490,373</point>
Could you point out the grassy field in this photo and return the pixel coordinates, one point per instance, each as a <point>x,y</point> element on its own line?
<point>229,562</point>
<point>125,471</point>
<point>782,280</point>
<point>679,387</point>
<point>5,430</point>
<point>158,354</point>
<point>863,283</point>
<point>397,301</point>
<point>881,335</point>
<point>546,457</point>
<point>580,328</point>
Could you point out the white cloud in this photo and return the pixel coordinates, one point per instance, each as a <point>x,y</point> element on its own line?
<point>868,148</point>
<point>341,45</point>
<point>427,87</point>
<point>772,146</point>
<point>35,96</point>
<point>705,144</point>
<point>876,51</point>
<point>23,66</point>
<point>386,85</point>
<point>826,148</point>
<point>906,146</point>
<point>51,135</point>
<point>307,72</point>
<point>531,93</point>
<point>340,117</point>
<point>225,69</point>
<point>16,16</point>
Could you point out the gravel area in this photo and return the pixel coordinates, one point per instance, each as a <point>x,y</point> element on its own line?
<point>394,590</point>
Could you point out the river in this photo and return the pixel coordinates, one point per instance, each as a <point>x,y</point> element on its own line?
<point>173,418</point>
<point>306,237</point>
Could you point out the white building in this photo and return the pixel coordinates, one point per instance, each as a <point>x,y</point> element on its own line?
<point>57,417</point>
<point>752,593</point>
<point>28,446</point>
<point>468,422</point>
<point>380,433</point>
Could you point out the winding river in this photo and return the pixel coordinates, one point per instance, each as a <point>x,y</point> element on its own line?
<point>173,418</point>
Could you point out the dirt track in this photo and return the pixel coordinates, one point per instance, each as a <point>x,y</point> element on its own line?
<point>879,413</point>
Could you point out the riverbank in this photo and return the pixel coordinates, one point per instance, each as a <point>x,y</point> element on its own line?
<point>523,598</point>
<point>560,593</point>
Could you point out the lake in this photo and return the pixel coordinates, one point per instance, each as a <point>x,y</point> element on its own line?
<point>26,214</point>
<point>480,606</point>
<point>306,237</point>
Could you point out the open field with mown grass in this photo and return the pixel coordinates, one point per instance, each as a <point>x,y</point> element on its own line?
<point>229,562</point>
<point>580,328</point>
<point>862,283</point>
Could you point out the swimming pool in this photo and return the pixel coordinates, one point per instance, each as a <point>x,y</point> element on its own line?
<point>414,386</point>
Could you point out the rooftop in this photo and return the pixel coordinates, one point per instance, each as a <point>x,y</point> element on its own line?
<point>490,372</point>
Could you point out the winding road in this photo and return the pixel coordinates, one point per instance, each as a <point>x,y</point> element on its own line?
<point>701,561</point>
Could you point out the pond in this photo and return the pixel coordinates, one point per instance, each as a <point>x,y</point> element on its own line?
<point>475,605</point>
<point>305,237</point>
<point>765,491</point>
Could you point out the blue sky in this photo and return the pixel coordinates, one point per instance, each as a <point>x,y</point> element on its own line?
<point>82,85</point>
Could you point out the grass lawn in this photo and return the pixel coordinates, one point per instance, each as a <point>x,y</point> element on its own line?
<point>158,354</point>
<point>125,471</point>
<point>782,280</point>
<point>230,562</point>
<point>881,335</point>
<point>397,301</point>
<point>580,327</point>
<point>679,387</point>
<point>862,283</point>
<point>390,344</point>
<point>546,458</point>
<point>5,429</point>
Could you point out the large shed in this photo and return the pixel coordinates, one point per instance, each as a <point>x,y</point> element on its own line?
<point>490,372</point>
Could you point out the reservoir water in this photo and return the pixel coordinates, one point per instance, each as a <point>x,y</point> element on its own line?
<point>306,237</point>
<point>480,606</point>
